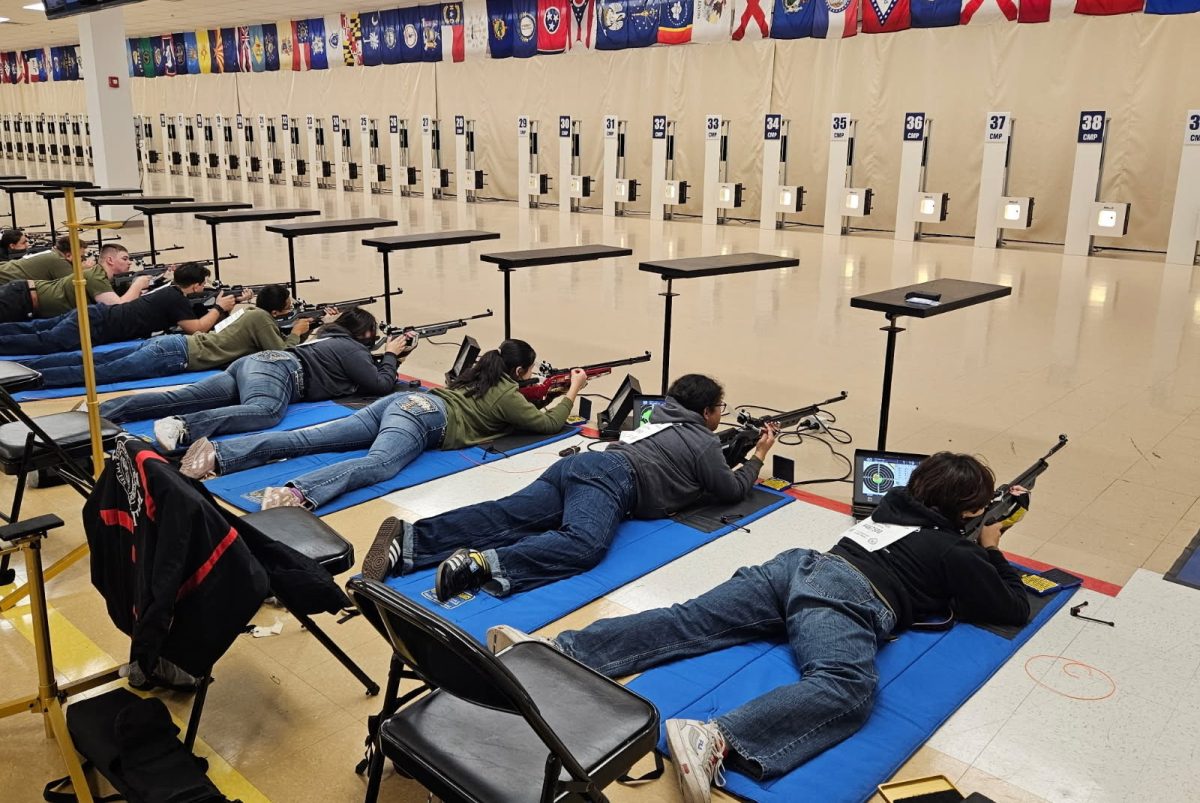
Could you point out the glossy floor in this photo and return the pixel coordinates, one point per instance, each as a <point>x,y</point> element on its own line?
<point>1103,349</point>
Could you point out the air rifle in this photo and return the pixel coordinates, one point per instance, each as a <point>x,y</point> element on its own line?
<point>1006,506</point>
<point>555,381</point>
<point>431,329</point>
<point>138,256</point>
<point>158,273</point>
<point>736,442</point>
<point>314,312</point>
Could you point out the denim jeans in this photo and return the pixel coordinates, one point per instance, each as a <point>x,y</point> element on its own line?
<point>559,526</point>
<point>158,356</point>
<point>829,615</point>
<point>253,393</point>
<point>395,429</point>
<point>50,335</point>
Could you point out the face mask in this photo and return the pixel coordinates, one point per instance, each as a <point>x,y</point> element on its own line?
<point>17,253</point>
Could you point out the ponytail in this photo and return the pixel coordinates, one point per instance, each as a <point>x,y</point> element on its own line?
<point>492,366</point>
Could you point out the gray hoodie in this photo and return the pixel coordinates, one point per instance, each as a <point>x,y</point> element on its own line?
<point>678,465</point>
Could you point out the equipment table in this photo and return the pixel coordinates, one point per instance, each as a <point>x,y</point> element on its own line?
<point>52,195</point>
<point>896,303</point>
<point>15,187</point>
<point>406,242</point>
<point>215,219</point>
<point>150,210</point>
<point>509,261</point>
<point>135,199</point>
<point>698,267</point>
<point>291,231</point>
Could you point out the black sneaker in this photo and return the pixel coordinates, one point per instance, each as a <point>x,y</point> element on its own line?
<point>465,570</point>
<point>384,553</point>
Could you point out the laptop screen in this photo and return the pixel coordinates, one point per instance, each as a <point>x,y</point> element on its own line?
<point>876,473</point>
<point>643,406</point>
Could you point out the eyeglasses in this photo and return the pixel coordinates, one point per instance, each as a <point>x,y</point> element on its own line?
<point>723,407</point>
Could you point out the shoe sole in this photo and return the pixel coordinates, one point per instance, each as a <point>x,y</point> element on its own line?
<point>375,564</point>
<point>692,787</point>
<point>440,582</point>
<point>188,466</point>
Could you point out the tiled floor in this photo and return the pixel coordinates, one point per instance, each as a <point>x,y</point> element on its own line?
<point>1103,349</point>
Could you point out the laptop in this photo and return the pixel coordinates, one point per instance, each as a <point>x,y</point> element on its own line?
<point>643,406</point>
<point>876,473</point>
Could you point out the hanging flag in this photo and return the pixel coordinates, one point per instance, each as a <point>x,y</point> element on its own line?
<point>301,46</point>
<point>55,64</point>
<point>794,19</point>
<point>156,55</point>
<point>712,21</point>
<point>168,56</point>
<point>286,42</point>
<point>229,39</point>
<point>978,12</point>
<point>475,27</point>
<point>940,13</point>
<point>390,25</point>
<point>179,46</point>
<point>500,28</point>
<point>1108,7</point>
<point>204,52</point>
<point>147,50</point>
<point>6,68</point>
<point>372,39</point>
<point>525,27</point>
<point>245,51</point>
<point>258,49</point>
<point>352,53</point>
<point>453,31</point>
<point>553,26</point>
<point>1172,6</point>
<point>409,32</point>
<point>216,48</point>
<point>191,49</point>
<point>674,22</point>
<point>1042,10</point>
<point>431,32</point>
<point>612,29</point>
<point>318,43</point>
<point>75,63</point>
<point>641,17</point>
<point>333,40</point>
<point>755,22</point>
<point>270,35</point>
<point>886,16</point>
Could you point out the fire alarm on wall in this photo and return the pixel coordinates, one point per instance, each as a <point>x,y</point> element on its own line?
<point>114,82</point>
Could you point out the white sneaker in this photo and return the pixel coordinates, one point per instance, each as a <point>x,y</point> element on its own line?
<point>200,460</point>
<point>501,637</point>
<point>281,497</point>
<point>169,431</point>
<point>698,751</point>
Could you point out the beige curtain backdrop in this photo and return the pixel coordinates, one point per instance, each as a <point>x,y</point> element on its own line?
<point>1140,68</point>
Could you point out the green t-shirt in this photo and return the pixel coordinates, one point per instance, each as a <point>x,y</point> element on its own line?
<point>43,267</point>
<point>249,330</point>
<point>498,412</point>
<point>57,296</point>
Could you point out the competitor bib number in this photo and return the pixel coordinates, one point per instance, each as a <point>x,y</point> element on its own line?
<point>873,536</point>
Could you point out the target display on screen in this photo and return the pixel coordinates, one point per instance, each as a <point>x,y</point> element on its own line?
<point>876,473</point>
<point>878,478</point>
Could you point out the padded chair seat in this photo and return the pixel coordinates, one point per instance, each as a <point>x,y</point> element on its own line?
<point>492,755</point>
<point>14,376</point>
<point>304,532</point>
<point>69,430</point>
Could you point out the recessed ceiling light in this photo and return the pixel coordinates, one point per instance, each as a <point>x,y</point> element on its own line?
<point>35,7</point>
<point>4,19</point>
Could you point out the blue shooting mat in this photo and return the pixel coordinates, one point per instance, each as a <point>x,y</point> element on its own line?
<point>1186,569</point>
<point>923,678</point>
<point>298,416</point>
<point>640,547</point>
<point>137,384</point>
<point>243,489</point>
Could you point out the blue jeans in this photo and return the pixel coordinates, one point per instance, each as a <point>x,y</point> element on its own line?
<point>158,356</point>
<point>557,527</point>
<point>395,429</point>
<point>50,335</point>
<point>827,612</point>
<point>252,393</point>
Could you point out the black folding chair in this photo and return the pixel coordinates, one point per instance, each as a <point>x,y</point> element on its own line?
<point>529,724</point>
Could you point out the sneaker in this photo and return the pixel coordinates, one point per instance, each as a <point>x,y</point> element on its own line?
<point>386,551</point>
<point>169,431</point>
<point>465,570</point>
<point>282,497</point>
<point>200,460</point>
<point>501,637</point>
<point>698,751</point>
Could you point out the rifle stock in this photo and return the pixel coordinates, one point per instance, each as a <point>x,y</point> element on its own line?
<point>736,442</point>
<point>435,329</point>
<point>555,381</point>
<point>1005,505</point>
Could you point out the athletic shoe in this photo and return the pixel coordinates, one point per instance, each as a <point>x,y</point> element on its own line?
<point>169,431</point>
<point>501,637</point>
<point>282,497</point>
<point>385,552</point>
<point>465,570</point>
<point>200,460</point>
<point>698,751</point>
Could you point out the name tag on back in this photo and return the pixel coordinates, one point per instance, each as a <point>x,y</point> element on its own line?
<point>643,432</point>
<point>873,536</point>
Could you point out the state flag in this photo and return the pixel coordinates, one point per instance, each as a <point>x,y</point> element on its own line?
<point>21,73</point>
<point>192,50</point>
<point>56,72</point>
<point>938,13</point>
<point>75,64</point>
<point>410,35</point>
<point>454,39</point>
<point>675,22</point>
<point>245,50</point>
<point>156,55</point>
<point>132,48</point>
<point>204,52</point>
<point>712,21</point>
<point>372,39</point>
<point>500,28</point>
<point>583,20</point>
<point>216,45</point>
<point>553,26</point>
<point>352,53</point>
<point>836,19</point>
<point>755,21</point>
<point>642,17</point>
<point>258,49</point>
<point>318,43</point>
<point>168,55</point>
<point>179,46</point>
<point>1104,8</point>
<point>886,16</point>
<point>475,28</point>
<point>270,46</point>
<point>6,67</point>
<point>286,44</point>
<point>1042,10</point>
<point>42,68</point>
<point>794,19</point>
<point>431,33</point>
<point>301,46</point>
<point>391,37</point>
<point>333,41</point>
<point>612,25</point>
<point>147,50</point>
<point>1172,6</point>
<point>525,28</point>
<point>231,47</point>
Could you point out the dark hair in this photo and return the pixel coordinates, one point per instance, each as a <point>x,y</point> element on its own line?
<point>272,298</point>
<point>187,275</point>
<point>358,322</point>
<point>63,244</point>
<point>696,392</point>
<point>112,247</point>
<point>952,484</point>
<point>494,365</point>
<point>11,237</point>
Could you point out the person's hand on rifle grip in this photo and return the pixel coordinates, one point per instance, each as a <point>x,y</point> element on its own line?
<point>395,345</point>
<point>331,315</point>
<point>579,380</point>
<point>411,339</point>
<point>989,536</point>
<point>301,327</point>
<point>246,295</point>
<point>140,283</point>
<point>225,302</point>
<point>769,434</point>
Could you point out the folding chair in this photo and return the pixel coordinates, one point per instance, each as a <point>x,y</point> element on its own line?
<point>529,724</point>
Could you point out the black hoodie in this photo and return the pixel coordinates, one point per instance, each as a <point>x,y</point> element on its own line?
<point>936,570</point>
<point>337,365</point>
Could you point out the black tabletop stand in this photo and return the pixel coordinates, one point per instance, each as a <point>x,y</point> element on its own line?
<point>215,219</point>
<point>153,210</point>
<point>136,200</point>
<point>696,267</point>
<point>509,261</point>
<point>405,242</point>
<point>291,231</point>
<point>54,194</point>
<point>896,303</point>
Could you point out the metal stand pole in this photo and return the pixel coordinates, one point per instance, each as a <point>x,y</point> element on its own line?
<point>889,360</point>
<point>292,264</point>
<point>153,252</point>
<point>387,289</point>
<point>216,254</point>
<point>666,371</point>
<point>507,304</point>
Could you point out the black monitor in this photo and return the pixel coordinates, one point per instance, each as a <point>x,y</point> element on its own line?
<point>876,473</point>
<point>643,406</point>
<point>65,8</point>
<point>611,420</point>
<point>468,353</point>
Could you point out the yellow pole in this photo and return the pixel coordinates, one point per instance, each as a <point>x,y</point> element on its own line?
<point>85,334</point>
